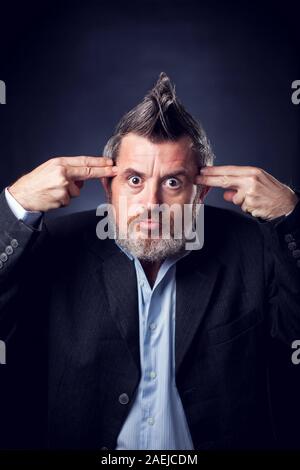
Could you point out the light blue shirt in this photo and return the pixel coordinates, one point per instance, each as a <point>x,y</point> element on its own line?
<point>28,217</point>
<point>156,419</point>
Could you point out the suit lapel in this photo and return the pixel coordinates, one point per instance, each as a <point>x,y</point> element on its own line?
<point>196,277</point>
<point>119,277</point>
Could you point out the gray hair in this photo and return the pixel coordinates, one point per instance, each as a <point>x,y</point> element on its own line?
<point>161,117</point>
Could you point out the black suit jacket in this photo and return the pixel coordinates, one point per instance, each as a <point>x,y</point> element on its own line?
<point>69,315</point>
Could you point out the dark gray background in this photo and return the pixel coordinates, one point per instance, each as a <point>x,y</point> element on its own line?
<point>72,69</point>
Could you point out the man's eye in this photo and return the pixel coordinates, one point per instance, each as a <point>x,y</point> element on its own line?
<point>135,180</point>
<point>173,183</point>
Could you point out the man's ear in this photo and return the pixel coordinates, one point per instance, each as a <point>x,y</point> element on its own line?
<point>203,193</point>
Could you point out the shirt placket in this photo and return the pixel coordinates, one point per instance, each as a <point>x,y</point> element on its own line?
<point>149,361</point>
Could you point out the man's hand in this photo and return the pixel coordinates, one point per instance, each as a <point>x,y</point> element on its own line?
<point>52,184</point>
<point>251,188</point>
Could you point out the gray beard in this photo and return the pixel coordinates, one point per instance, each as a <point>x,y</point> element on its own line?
<point>151,249</point>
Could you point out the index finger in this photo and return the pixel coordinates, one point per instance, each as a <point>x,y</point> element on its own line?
<point>230,170</point>
<point>221,181</point>
<point>86,161</point>
<point>89,172</point>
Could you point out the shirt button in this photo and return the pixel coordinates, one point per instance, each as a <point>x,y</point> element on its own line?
<point>3,257</point>
<point>9,250</point>
<point>14,243</point>
<point>152,374</point>
<point>152,326</point>
<point>124,399</point>
<point>150,421</point>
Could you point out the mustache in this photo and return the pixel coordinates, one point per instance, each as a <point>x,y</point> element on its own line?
<point>149,214</point>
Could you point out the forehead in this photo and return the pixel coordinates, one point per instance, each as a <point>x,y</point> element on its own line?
<point>137,150</point>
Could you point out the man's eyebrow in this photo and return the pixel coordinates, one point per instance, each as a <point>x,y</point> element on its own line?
<point>130,171</point>
<point>179,171</point>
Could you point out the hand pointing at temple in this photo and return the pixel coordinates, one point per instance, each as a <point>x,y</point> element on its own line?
<point>251,188</point>
<point>55,182</point>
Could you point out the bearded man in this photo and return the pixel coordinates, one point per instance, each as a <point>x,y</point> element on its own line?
<point>139,340</point>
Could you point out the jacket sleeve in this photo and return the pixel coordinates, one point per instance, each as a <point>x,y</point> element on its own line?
<point>17,243</point>
<point>282,275</point>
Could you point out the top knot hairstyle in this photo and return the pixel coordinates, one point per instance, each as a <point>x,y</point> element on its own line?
<point>161,117</point>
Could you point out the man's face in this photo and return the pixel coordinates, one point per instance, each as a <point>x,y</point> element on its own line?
<point>152,174</point>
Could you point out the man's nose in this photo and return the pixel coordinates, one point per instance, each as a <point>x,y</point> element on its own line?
<point>152,196</point>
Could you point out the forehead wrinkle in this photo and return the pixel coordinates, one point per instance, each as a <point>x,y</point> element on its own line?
<point>151,159</point>
<point>139,164</point>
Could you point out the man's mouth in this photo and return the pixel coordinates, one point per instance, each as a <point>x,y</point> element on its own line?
<point>149,224</point>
